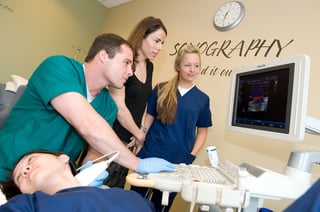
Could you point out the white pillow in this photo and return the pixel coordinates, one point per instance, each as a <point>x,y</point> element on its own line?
<point>18,80</point>
<point>11,86</point>
<point>2,198</point>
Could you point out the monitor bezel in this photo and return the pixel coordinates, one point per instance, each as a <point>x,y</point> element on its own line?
<point>297,102</point>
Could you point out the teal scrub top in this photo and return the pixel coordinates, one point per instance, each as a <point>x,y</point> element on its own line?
<point>34,124</point>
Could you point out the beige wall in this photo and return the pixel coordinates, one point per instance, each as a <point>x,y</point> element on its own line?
<point>191,21</point>
<point>34,29</point>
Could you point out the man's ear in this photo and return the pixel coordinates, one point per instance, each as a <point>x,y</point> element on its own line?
<point>102,54</point>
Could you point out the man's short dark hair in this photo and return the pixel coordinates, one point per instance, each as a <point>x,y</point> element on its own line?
<point>109,42</point>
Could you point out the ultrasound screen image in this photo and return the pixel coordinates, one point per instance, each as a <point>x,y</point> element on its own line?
<point>263,99</point>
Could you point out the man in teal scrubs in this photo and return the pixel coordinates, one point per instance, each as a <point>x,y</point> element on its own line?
<point>66,106</point>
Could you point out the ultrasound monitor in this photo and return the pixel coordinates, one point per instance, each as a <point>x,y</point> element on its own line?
<point>270,99</point>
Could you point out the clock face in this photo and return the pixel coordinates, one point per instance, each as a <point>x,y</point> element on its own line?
<point>228,15</point>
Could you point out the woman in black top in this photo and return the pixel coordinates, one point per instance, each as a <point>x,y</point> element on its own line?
<point>147,38</point>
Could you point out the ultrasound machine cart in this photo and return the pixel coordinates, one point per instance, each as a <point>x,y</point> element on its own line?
<point>229,186</point>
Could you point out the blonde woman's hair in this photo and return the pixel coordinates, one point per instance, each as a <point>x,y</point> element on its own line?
<point>167,91</point>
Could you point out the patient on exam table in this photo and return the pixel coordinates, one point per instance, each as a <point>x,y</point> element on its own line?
<point>46,182</point>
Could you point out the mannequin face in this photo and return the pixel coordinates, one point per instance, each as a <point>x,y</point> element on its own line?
<point>33,172</point>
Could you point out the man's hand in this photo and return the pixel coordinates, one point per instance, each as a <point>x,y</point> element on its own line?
<point>154,165</point>
<point>99,179</point>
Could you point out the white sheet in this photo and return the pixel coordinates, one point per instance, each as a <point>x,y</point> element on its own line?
<point>16,82</point>
<point>2,198</point>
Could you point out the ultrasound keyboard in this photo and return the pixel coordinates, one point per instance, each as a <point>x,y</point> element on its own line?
<point>201,184</point>
<point>225,175</point>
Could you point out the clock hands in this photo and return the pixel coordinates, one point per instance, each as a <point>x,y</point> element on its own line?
<point>225,16</point>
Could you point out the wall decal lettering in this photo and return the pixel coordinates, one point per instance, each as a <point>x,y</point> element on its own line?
<point>230,49</point>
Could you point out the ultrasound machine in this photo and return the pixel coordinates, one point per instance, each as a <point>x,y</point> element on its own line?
<point>232,187</point>
<point>268,100</point>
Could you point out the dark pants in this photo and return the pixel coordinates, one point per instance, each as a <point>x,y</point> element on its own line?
<point>155,196</point>
<point>117,176</point>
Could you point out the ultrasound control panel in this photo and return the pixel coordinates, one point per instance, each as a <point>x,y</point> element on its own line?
<point>201,184</point>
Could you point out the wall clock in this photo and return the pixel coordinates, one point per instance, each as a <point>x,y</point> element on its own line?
<point>229,15</point>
